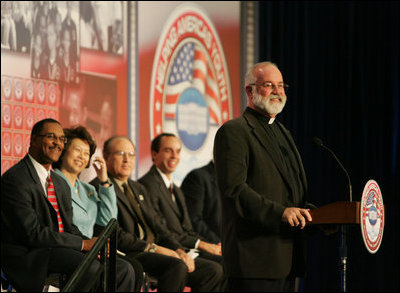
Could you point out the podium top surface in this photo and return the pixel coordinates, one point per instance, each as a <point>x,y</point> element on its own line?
<point>342,212</point>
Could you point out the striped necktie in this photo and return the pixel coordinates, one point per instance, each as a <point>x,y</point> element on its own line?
<point>145,231</point>
<point>51,196</point>
<point>171,191</point>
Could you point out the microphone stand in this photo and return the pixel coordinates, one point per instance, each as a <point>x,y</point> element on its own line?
<point>343,258</point>
<point>343,228</point>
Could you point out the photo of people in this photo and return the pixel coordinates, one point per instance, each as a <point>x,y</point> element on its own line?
<point>101,25</point>
<point>16,25</point>
<point>54,46</point>
<point>92,104</point>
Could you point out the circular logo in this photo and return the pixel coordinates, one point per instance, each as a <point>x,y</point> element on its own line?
<point>372,216</point>
<point>6,142</point>
<point>30,92</point>
<point>18,145</point>
<point>30,118</point>
<point>18,117</point>
<point>52,94</point>
<point>41,92</point>
<point>6,115</point>
<point>40,114</point>
<point>18,89</point>
<point>6,86</point>
<point>190,92</point>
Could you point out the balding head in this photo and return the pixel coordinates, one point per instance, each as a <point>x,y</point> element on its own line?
<point>119,153</point>
<point>256,70</point>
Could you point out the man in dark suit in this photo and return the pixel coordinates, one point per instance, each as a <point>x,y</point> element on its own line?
<point>168,199</point>
<point>143,237</point>
<point>263,188</point>
<point>203,202</point>
<point>36,239</point>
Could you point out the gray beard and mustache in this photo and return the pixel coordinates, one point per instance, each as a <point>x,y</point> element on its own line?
<point>265,104</point>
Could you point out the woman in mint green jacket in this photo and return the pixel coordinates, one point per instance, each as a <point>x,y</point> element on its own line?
<point>89,207</point>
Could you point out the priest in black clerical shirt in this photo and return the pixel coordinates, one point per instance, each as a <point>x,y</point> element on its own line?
<point>263,190</point>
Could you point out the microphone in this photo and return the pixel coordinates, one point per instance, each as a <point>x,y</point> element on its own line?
<point>319,143</point>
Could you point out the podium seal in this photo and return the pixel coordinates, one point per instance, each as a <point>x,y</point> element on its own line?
<point>372,216</point>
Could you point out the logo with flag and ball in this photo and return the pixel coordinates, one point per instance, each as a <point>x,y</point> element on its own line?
<point>372,216</point>
<point>190,91</point>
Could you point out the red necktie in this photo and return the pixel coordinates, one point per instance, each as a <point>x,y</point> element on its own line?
<point>51,196</point>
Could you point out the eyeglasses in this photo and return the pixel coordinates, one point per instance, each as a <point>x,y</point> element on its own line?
<point>83,153</point>
<point>53,137</point>
<point>270,85</point>
<point>122,154</point>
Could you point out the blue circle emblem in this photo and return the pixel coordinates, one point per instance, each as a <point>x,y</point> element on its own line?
<point>192,118</point>
<point>372,215</point>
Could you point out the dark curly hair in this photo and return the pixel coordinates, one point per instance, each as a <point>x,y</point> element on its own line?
<point>76,132</point>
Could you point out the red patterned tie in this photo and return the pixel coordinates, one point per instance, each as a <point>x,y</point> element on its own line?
<point>51,196</point>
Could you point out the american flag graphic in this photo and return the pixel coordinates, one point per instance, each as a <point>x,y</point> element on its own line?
<point>191,69</point>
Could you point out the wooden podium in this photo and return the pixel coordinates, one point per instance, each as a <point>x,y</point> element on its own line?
<point>341,212</point>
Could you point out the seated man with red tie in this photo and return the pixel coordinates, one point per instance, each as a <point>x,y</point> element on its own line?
<point>37,234</point>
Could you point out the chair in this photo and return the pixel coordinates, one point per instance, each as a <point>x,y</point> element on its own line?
<point>5,284</point>
<point>149,283</point>
<point>55,280</point>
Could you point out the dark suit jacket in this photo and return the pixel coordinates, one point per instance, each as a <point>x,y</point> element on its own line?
<point>203,202</point>
<point>128,241</point>
<point>177,220</point>
<point>29,226</point>
<point>255,190</point>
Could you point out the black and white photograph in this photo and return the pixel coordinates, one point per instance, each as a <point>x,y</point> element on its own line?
<point>54,46</point>
<point>16,25</point>
<point>101,24</point>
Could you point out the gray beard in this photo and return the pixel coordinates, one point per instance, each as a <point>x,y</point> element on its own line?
<point>264,104</point>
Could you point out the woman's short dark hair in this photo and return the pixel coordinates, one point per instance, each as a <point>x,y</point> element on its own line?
<point>76,132</point>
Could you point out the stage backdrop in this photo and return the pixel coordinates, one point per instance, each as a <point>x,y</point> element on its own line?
<point>137,69</point>
<point>189,76</point>
<point>64,60</point>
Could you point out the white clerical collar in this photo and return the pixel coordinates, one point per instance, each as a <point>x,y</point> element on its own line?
<point>271,120</point>
<point>166,180</point>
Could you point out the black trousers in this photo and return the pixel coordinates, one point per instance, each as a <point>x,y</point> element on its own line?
<point>170,272</point>
<point>261,285</point>
<point>66,260</point>
<point>208,276</point>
